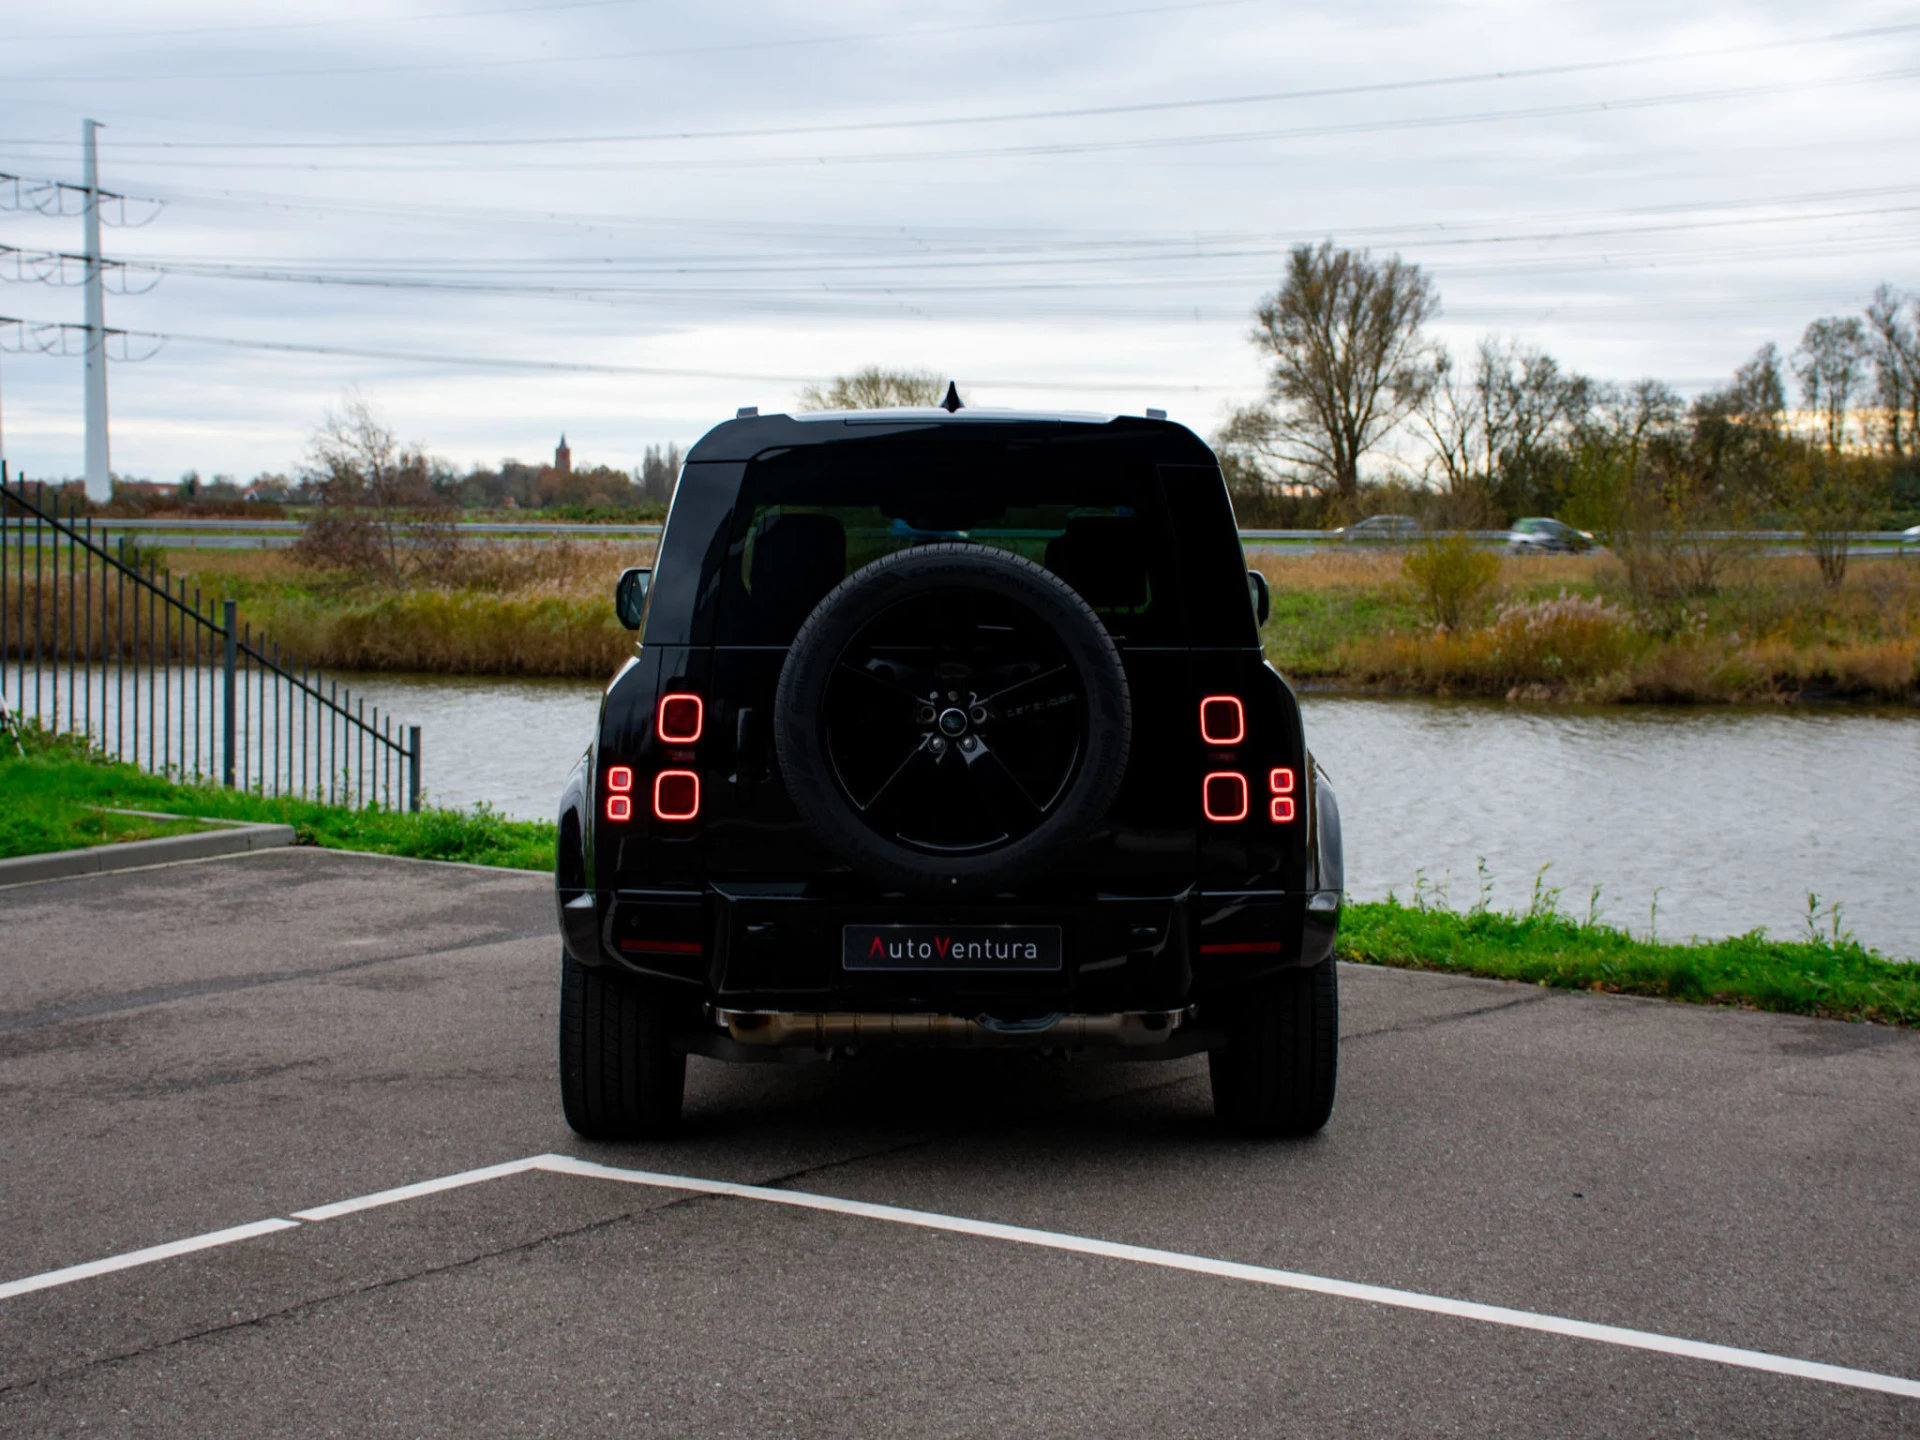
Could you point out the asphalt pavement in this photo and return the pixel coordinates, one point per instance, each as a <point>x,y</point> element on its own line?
<point>203,1046</point>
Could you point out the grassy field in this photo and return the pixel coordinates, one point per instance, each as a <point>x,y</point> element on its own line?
<point>1564,628</point>
<point>52,800</point>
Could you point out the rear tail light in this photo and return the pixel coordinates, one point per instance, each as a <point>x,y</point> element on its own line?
<point>1223,796</point>
<point>1223,720</point>
<point>1280,808</point>
<point>680,719</point>
<point>676,795</point>
<point>619,802</point>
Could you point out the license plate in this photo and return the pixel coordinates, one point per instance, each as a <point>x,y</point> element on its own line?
<point>950,947</point>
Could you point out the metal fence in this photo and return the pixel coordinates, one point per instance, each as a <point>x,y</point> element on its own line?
<point>96,641</point>
<point>240,533</point>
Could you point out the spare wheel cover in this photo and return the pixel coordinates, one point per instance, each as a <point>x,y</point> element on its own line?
<point>952,718</point>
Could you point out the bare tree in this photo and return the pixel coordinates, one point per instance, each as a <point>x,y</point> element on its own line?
<point>1830,363</point>
<point>1347,362</point>
<point>379,514</point>
<point>874,388</point>
<point>1500,432</point>
<point>1893,345</point>
<point>660,472</point>
<point>1450,414</point>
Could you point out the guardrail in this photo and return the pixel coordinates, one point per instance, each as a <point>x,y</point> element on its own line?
<point>223,533</point>
<point>114,649</point>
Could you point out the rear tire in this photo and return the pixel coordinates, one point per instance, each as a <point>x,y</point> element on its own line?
<point>1276,1075</point>
<point>619,1077</point>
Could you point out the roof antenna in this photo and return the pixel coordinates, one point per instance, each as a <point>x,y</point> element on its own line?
<point>952,402</point>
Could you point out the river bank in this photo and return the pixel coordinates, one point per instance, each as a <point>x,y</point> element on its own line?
<point>1546,629</point>
<point>1565,629</point>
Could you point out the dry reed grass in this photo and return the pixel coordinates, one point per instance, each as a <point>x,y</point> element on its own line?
<point>1773,631</point>
<point>519,608</point>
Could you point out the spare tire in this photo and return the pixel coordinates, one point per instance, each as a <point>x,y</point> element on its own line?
<point>951,719</point>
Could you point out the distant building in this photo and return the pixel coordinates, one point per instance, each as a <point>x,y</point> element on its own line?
<point>562,458</point>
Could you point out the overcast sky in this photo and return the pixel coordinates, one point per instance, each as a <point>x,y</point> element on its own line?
<point>1065,203</point>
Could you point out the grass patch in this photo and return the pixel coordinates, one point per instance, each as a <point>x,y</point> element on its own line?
<point>1828,975</point>
<point>44,796</point>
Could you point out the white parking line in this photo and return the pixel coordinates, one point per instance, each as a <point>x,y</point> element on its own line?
<point>424,1187</point>
<point>1020,1235</point>
<point>142,1257</point>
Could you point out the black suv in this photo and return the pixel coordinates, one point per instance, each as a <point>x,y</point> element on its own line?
<point>948,729</point>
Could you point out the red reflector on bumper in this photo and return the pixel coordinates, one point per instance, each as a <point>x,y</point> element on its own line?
<point>1243,947</point>
<point>661,947</point>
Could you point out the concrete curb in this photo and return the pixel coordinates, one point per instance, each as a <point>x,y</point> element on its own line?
<point>233,838</point>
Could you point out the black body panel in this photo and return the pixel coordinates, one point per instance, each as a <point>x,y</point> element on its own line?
<point>1159,907</point>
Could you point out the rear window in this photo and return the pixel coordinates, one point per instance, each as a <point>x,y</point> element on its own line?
<point>808,519</point>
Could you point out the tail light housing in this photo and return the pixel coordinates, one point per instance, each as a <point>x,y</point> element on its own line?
<point>1280,806</point>
<point>676,795</point>
<point>1223,720</point>
<point>619,798</point>
<point>679,719</point>
<point>1223,796</point>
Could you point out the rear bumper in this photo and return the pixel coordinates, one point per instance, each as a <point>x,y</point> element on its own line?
<point>777,948</point>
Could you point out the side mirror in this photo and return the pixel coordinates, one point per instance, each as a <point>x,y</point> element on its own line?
<point>1262,599</point>
<point>630,596</point>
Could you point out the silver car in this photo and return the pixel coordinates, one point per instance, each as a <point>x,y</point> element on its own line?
<point>1381,530</point>
<point>1538,535</point>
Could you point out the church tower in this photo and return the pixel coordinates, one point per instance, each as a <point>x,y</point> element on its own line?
<point>563,457</point>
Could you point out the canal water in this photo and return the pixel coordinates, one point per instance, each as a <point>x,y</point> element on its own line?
<point>1691,821</point>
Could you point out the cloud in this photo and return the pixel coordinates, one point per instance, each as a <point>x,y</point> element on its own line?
<point>1658,216</point>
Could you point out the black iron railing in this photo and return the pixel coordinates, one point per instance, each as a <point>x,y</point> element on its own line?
<point>97,640</point>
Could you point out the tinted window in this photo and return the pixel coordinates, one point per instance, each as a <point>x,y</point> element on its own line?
<point>809,518</point>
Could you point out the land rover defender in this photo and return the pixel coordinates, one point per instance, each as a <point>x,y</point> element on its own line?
<point>947,728</point>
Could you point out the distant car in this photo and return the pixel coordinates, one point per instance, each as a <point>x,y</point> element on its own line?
<point>1381,529</point>
<point>1537,535</point>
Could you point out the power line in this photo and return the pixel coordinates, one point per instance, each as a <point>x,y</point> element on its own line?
<point>1054,149</point>
<point>49,197</point>
<point>516,364</point>
<point>404,276</point>
<point>1016,116</point>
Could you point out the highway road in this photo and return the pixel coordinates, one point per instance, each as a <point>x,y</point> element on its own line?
<point>1533,1213</point>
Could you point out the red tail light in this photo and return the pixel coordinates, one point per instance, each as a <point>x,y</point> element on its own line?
<point>676,795</point>
<point>1223,720</point>
<point>1280,808</point>
<point>619,802</point>
<point>680,719</point>
<point>1223,796</point>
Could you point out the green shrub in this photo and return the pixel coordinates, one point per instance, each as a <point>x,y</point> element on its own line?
<point>1451,573</point>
